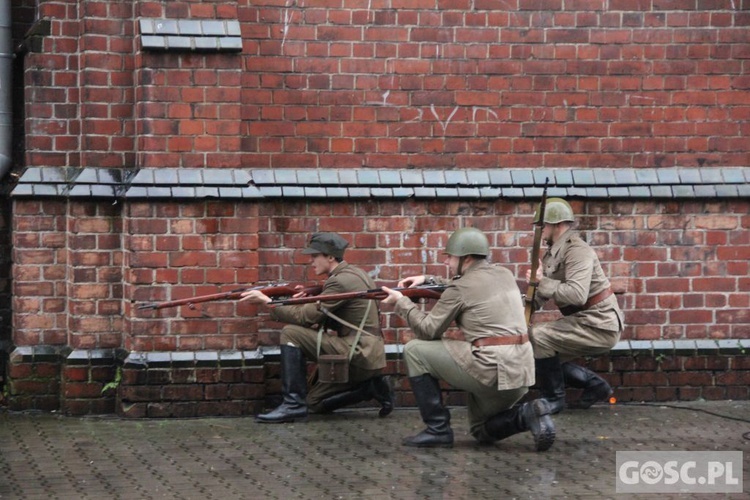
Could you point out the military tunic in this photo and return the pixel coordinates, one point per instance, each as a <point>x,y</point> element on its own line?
<point>484,302</point>
<point>303,322</point>
<point>572,275</point>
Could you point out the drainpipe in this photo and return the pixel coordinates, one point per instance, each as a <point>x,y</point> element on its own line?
<point>6,89</point>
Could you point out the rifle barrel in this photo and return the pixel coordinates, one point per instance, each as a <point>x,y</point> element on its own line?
<point>428,292</point>
<point>273,290</point>
<point>195,300</point>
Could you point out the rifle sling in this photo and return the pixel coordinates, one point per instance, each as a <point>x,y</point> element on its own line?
<point>359,328</point>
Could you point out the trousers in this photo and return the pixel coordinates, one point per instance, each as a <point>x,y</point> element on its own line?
<point>484,402</point>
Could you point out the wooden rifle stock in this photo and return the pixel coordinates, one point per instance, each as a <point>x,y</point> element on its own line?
<point>273,290</point>
<point>538,226</point>
<point>417,292</point>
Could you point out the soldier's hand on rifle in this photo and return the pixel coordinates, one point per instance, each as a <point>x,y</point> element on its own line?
<point>539,273</point>
<point>300,293</point>
<point>411,281</point>
<point>393,295</point>
<point>255,297</point>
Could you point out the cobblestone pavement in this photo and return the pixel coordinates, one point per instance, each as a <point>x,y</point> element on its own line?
<point>352,454</point>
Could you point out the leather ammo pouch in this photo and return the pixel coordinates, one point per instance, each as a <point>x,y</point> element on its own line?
<point>334,368</point>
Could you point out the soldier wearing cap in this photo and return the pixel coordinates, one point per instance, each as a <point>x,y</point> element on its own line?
<point>571,275</point>
<point>494,363</point>
<point>356,332</point>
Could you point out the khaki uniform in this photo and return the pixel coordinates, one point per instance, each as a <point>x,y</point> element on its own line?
<point>484,302</point>
<point>303,322</point>
<point>573,274</point>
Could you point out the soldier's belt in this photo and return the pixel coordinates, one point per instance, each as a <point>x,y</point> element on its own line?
<point>568,310</point>
<point>506,340</point>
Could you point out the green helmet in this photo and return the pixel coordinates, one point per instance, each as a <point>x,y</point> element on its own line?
<point>468,241</point>
<point>556,210</point>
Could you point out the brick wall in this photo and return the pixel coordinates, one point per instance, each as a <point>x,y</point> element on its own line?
<point>81,269</point>
<point>395,83</point>
<point>680,269</point>
<point>40,272</point>
<point>194,385</point>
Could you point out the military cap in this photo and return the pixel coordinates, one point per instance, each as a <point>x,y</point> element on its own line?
<point>327,243</point>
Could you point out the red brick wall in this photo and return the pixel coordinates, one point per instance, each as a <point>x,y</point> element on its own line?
<point>681,269</point>
<point>396,83</point>
<point>192,390</point>
<point>178,251</point>
<point>67,287</point>
<point>381,84</point>
<point>40,271</point>
<point>82,268</point>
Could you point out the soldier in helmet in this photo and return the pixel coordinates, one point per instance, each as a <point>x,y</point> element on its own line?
<point>305,337</point>
<point>571,275</point>
<point>494,363</point>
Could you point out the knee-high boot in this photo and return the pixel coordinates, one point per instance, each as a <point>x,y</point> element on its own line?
<point>594,387</point>
<point>293,388</point>
<point>377,388</point>
<point>382,391</point>
<point>347,398</point>
<point>549,377</point>
<point>436,416</point>
<point>531,416</point>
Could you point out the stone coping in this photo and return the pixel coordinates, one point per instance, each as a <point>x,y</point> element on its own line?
<point>28,354</point>
<point>197,35</point>
<point>311,183</point>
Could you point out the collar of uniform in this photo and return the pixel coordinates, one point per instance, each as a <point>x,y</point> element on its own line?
<point>343,264</point>
<point>564,238</point>
<point>477,266</point>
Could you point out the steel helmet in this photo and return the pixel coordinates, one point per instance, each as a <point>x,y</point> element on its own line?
<point>468,241</point>
<point>556,210</point>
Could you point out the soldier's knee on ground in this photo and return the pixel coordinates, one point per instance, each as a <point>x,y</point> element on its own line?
<point>315,404</point>
<point>479,433</point>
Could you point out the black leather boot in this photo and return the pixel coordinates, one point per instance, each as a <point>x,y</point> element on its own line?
<point>549,378</point>
<point>594,387</point>
<point>382,391</point>
<point>360,393</point>
<point>535,417</point>
<point>504,424</point>
<point>532,416</point>
<point>378,388</point>
<point>293,387</point>
<point>437,417</point>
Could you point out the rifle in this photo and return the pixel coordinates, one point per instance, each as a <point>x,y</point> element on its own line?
<point>417,292</point>
<point>272,290</point>
<point>538,226</point>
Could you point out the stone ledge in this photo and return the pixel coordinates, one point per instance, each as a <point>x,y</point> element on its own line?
<point>144,360</point>
<point>39,354</point>
<point>260,184</point>
<point>209,359</point>
<point>681,347</point>
<point>198,35</point>
<point>94,356</point>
